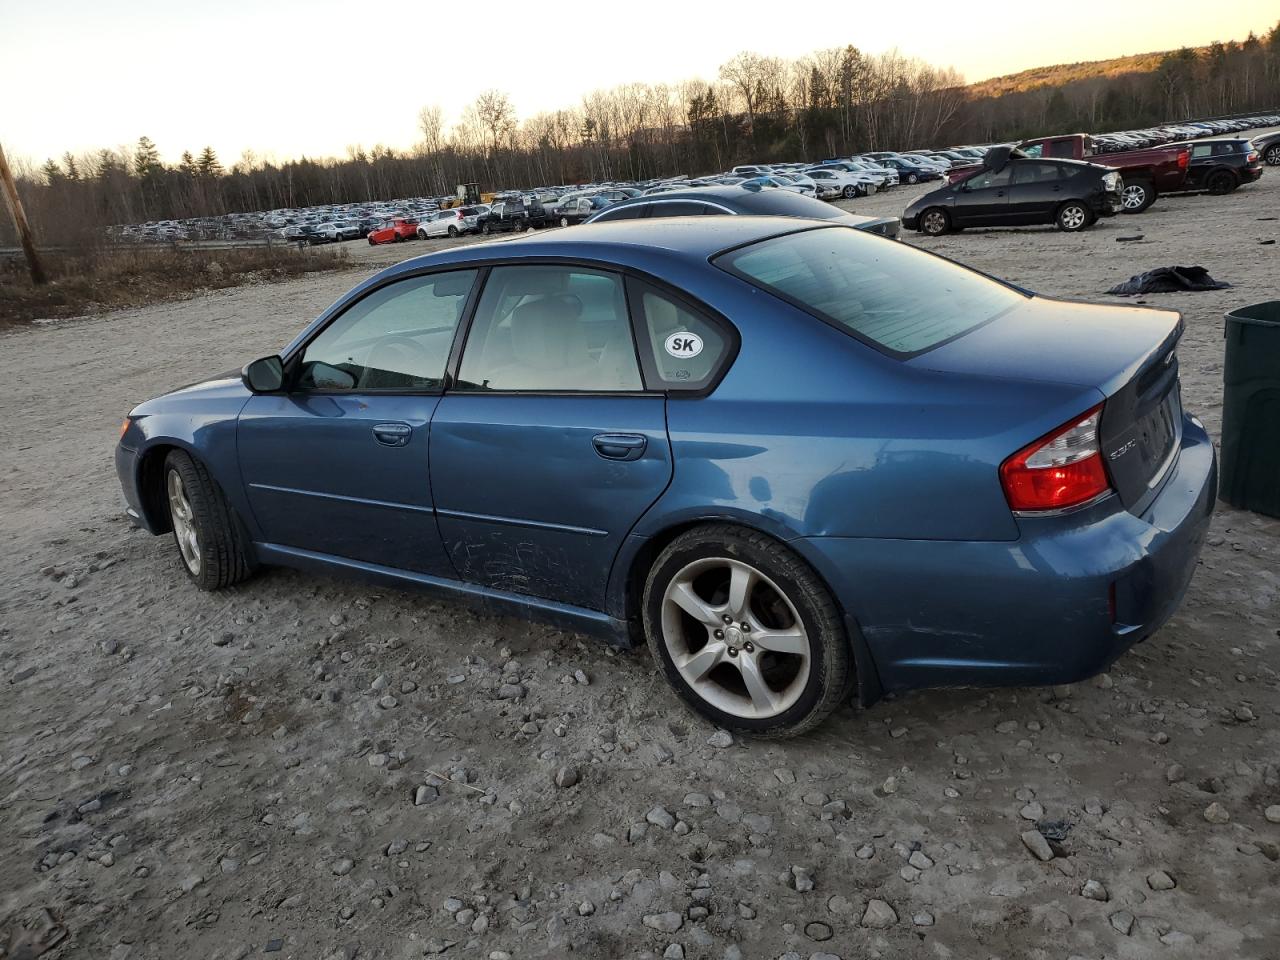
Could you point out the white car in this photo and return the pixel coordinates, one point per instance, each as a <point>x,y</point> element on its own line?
<point>851,184</point>
<point>448,223</point>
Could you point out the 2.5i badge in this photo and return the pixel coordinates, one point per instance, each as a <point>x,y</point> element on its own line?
<point>684,345</point>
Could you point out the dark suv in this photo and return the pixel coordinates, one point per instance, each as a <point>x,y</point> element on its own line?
<point>1011,189</point>
<point>507,216</point>
<point>1220,166</point>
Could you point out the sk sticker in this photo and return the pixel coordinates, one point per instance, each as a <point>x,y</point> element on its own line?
<point>684,345</point>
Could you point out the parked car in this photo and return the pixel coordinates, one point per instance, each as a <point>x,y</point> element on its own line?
<point>1012,189</point>
<point>1220,166</point>
<point>576,211</point>
<point>1269,147</point>
<point>910,170</point>
<point>336,230</point>
<point>741,201</point>
<point>510,216</point>
<point>452,223</point>
<point>393,231</point>
<point>803,463</point>
<point>1146,173</point>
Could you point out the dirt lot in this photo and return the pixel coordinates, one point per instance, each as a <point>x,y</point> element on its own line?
<point>324,769</point>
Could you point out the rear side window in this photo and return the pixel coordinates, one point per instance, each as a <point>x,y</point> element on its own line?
<point>680,348</point>
<point>679,208</point>
<point>900,300</point>
<point>631,212</point>
<point>551,328</point>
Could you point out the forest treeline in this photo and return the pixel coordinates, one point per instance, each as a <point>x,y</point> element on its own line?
<point>832,102</point>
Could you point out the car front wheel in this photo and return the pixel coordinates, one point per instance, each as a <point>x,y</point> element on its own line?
<point>564,221</point>
<point>453,231</point>
<point>935,222</point>
<point>912,178</point>
<point>1272,156</point>
<point>212,544</point>
<point>850,191</point>
<point>1072,216</point>
<point>745,632</point>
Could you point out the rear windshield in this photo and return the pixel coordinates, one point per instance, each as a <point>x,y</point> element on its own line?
<point>896,298</point>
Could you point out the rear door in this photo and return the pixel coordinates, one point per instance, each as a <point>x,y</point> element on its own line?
<point>548,449</point>
<point>1038,187</point>
<point>983,199</point>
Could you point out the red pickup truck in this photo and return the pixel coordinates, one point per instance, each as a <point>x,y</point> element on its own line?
<point>1145,172</point>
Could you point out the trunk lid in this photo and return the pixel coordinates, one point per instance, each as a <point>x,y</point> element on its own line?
<point>1126,353</point>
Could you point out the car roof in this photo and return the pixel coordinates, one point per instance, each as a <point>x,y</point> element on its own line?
<point>683,237</point>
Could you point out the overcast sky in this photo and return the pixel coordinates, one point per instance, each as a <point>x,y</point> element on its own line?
<point>291,77</point>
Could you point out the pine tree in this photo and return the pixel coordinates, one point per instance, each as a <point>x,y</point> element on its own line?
<point>146,160</point>
<point>188,164</point>
<point>73,170</point>
<point>207,164</point>
<point>52,172</point>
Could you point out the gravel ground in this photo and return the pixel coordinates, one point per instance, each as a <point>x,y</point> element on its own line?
<point>322,769</point>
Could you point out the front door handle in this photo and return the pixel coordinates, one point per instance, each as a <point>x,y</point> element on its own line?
<point>393,434</point>
<point>619,446</point>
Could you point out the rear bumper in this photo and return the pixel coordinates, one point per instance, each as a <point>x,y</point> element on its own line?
<point>1036,610</point>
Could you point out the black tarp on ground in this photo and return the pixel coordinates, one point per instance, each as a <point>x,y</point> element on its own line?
<point>1168,280</point>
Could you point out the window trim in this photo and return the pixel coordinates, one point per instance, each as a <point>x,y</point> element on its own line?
<point>292,360</point>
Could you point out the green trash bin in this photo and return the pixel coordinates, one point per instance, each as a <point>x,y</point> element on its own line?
<point>1251,409</point>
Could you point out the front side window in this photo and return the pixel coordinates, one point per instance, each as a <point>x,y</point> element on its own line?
<point>990,178</point>
<point>633,211</point>
<point>396,338</point>
<point>896,298</point>
<point>551,329</point>
<point>678,208</point>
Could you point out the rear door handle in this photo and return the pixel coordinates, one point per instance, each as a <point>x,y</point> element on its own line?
<point>393,434</point>
<point>619,446</point>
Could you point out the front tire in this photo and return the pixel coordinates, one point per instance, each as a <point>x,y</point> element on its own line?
<point>850,191</point>
<point>1073,216</point>
<point>1272,156</point>
<point>486,229</point>
<point>1137,196</point>
<point>453,231</point>
<point>912,178</point>
<point>746,632</point>
<point>212,544</point>
<point>934,222</point>
<point>564,221</point>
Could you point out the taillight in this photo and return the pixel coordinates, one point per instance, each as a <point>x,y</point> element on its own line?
<point>1253,157</point>
<point>1060,470</point>
<point>1184,158</point>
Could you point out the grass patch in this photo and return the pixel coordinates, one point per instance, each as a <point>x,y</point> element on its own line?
<point>112,278</point>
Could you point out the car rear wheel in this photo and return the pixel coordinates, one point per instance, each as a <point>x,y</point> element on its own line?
<point>453,231</point>
<point>934,222</point>
<point>1136,196</point>
<point>745,632</point>
<point>850,191</point>
<point>912,178</point>
<point>1073,215</point>
<point>564,221</point>
<point>212,544</point>
<point>1223,181</point>
<point>486,229</point>
<point>1272,156</point>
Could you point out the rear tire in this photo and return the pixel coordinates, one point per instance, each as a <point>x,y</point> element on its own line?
<point>1137,196</point>
<point>849,191</point>
<point>564,221</point>
<point>453,231</point>
<point>780,676</point>
<point>486,229</point>
<point>213,545</point>
<point>912,178</point>
<point>934,222</point>
<point>1073,216</point>
<point>1222,182</point>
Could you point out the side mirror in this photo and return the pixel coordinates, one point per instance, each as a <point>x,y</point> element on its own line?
<point>265,375</point>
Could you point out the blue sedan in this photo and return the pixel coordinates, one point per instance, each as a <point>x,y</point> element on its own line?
<point>802,462</point>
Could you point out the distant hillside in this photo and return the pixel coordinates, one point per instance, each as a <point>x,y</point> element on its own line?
<point>1064,73</point>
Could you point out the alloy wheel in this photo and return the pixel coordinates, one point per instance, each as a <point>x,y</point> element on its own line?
<point>1072,217</point>
<point>183,518</point>
<point>935,222</point>
<point>1133,196</point>
<point>735,638</point>
<point>1273,155</point>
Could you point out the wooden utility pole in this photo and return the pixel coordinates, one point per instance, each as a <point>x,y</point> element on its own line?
<point>20,221</point>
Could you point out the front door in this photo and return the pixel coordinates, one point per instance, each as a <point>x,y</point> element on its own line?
<point>339,463</point>
<point>547,450</point>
